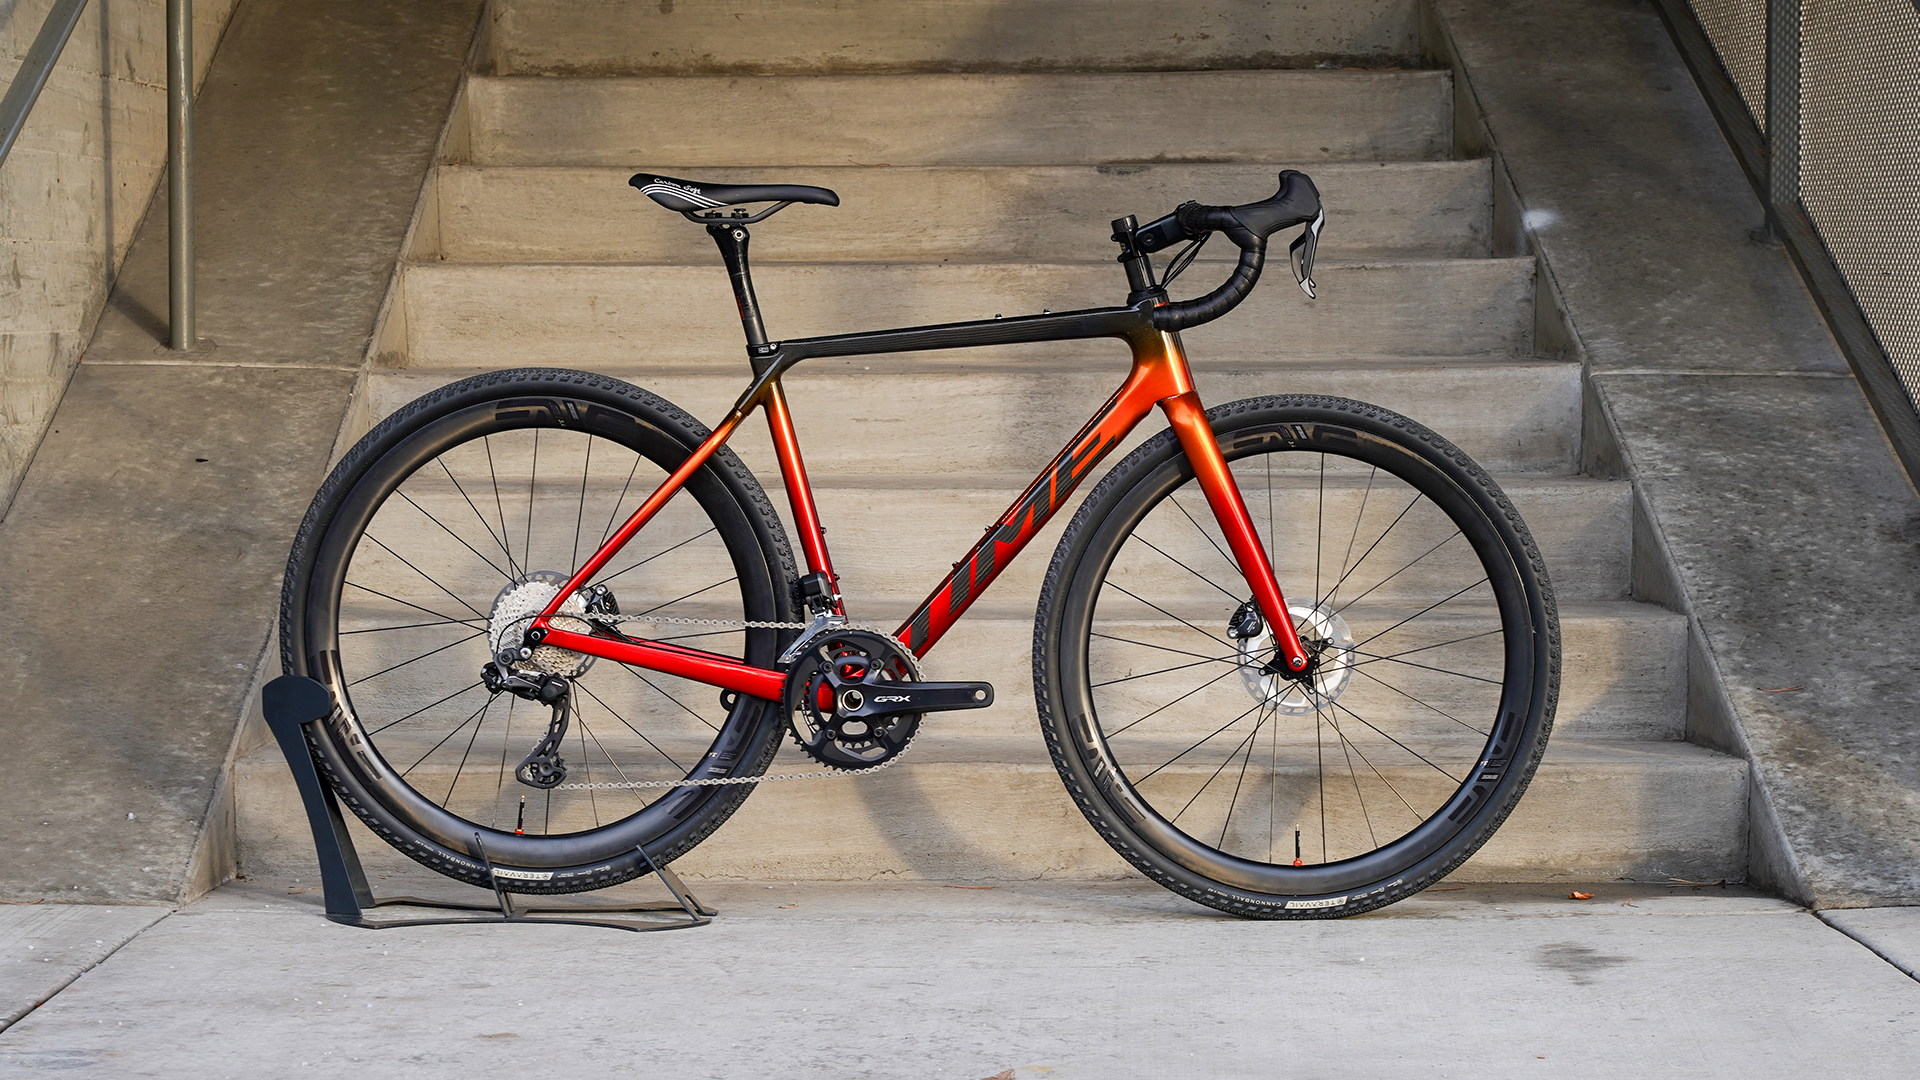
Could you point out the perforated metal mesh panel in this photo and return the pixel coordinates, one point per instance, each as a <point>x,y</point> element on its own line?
<point>1738,30</point>
<point>1860,159</point>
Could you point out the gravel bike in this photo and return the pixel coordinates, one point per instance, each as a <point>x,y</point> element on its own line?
<point>565,632</point>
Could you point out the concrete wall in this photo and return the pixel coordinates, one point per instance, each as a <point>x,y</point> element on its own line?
<point>73,192</point>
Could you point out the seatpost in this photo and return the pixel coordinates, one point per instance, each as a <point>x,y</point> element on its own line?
<point>732,241</point>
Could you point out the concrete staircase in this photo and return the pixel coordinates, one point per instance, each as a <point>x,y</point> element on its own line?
<point>977,181</point>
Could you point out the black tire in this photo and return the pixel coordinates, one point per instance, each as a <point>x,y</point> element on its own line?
<point>442,508</point>
<point>1206,772</point>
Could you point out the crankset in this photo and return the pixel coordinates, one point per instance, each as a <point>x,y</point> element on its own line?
<point>854,698</point>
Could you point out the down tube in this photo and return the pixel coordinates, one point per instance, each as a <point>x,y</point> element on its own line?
<point>1034,508</point>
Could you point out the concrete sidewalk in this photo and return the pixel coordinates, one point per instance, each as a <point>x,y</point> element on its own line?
<point>926,980</point>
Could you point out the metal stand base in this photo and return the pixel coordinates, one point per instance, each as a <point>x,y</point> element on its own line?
<point>290,704</point>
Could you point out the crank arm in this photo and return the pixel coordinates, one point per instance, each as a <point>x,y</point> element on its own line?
<point>867,701</point>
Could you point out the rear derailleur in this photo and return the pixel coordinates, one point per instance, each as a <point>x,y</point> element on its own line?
<point>544,767</point>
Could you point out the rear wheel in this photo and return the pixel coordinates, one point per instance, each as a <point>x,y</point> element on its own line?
<point>1418,592</point>
<point>422,555</point>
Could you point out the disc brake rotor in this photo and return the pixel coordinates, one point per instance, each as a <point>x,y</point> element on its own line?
<point>1325,636</point>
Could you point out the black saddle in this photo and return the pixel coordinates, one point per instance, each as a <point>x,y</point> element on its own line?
<point>692,196</point>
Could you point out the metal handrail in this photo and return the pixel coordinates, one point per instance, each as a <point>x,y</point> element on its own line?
<point>37,67</point>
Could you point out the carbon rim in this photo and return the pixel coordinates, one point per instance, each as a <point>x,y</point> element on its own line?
<point>1404,767</point>
<point>414,556</point>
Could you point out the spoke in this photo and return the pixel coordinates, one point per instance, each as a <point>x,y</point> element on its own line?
<point>493,474</point>
<point>500,782</point>
<point>1204,534</point>
<point>657,554</point>
<point>491,565</point>
<point>624,488</point>
<point>448,735</point>
<point>1157,648</point>
<point>1426,705</point>
<point>1435,645</point>
<point>407,603</point>
<point>423,708</point>
<point>1377,541</point>
<point>422,656</point>
<point>424,574</point>
<point>1410,750</point>
<point>643,738</point>
<point>580,516</point>
<point>1168,670</point>
<point>1338,730</point>
<point>586,762</point>
<point>1372,659</point>
<point>1320,771</point>
<point>691,636</point>
<point>622,773</point>
<point>484,523</point>
<point>1347,748</point>
<point>1358,517</point>
<point>462,767</point>
<point>1187,568</point>
<point>1203,741</point>
<point>690,595</point>
<point>1273,784</point>
<point>1237,784</point>
<point>1424,610</point>
<point>1122,590</point>
<point>533,474</point>
<point>669,697</point>
<point>1403,570</point>
<point>410,626</point>
<point>1319,523</point>
<point>1170,704</point>
<point>1226,761</point>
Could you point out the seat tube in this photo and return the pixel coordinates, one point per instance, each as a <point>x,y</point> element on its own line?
<point>793,473</point>
<point>1190,426</point>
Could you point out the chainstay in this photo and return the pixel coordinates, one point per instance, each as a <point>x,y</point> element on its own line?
<point>724,781</point>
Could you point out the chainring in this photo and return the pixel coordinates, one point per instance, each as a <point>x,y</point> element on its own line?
<point>836,662</point>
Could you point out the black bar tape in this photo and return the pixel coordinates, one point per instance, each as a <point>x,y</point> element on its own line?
<point>1182,314</point>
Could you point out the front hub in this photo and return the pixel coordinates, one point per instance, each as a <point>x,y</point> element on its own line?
<point>1328,642</point>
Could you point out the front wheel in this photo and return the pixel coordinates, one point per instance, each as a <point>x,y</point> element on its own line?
<point>1422,600</point>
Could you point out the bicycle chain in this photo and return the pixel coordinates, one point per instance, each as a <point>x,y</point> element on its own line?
<point>722,781</point>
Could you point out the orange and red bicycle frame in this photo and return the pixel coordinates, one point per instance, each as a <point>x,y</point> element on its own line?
<point>1160,376</point>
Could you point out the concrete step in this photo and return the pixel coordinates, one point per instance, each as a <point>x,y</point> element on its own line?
<point>583,315</point>
<point>928,416</point>
<point>972,809</point>
<point>1301,118</point>
<point>599,37</point>
<point>1416,209</point>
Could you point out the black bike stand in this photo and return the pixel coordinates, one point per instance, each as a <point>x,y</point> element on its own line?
<point>290,704</point>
